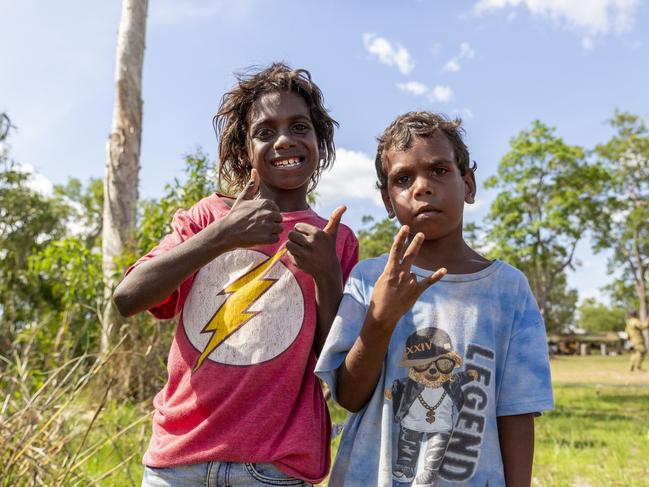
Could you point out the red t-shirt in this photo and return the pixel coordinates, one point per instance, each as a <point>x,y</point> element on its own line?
<point>241,386</point>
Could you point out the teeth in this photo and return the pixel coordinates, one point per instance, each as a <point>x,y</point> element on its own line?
<point>287,162</point>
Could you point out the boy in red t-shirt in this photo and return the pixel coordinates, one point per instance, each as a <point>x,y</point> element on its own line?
<point>257,281</point>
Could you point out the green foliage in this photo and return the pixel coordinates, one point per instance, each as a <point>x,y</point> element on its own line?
<point>156,215</point>
<point>594,317</point>
<point>624,203</point>
<point>29,223</point>
<point>377,239</point>
<point>547,199</point>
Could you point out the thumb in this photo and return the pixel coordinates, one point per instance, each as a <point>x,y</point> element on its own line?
<point>334,220</point>
<point>250,189</point>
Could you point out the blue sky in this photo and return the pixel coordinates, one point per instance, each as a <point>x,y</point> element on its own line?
<point>497,63</point>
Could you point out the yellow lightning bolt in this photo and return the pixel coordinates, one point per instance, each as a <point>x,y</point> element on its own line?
<point>233,313</point>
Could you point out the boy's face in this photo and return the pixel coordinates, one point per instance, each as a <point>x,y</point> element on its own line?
<point>282,142</point>
<point>425,188</point>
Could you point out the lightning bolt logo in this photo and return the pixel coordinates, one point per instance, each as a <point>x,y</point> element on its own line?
<point>233,313</point>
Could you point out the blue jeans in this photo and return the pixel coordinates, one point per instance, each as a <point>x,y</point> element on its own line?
<point>219,474</point>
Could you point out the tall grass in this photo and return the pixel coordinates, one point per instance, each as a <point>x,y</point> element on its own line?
<point>46,420</point>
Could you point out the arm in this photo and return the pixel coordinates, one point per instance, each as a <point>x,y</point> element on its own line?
<point>516,435</point>
<point>395,292</point>
<point>249,222</point>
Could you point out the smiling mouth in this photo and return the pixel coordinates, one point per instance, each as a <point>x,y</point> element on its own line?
<point>287,161</point>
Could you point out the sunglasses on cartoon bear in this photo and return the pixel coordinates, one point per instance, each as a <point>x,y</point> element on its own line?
<point>443,364</point>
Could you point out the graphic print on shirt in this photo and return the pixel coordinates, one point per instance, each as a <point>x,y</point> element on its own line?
<point>426,406</point>
<point>244,308</point>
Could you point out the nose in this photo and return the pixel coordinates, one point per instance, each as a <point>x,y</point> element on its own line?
<point>284,141</point>
<point>421,186</point>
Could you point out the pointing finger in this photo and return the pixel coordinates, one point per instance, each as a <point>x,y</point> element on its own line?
<point>394,258</point>
<point>413,250</point>
<point>334,220</point>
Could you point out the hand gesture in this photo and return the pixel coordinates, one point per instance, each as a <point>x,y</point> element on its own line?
<point>252,221</point>
<point>314,250</point>
<point>397,289</point>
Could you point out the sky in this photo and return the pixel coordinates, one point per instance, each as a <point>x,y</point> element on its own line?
<point>498,64</point>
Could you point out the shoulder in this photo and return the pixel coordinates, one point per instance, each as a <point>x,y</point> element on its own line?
<point>509,276</point>
<point>369,270</point>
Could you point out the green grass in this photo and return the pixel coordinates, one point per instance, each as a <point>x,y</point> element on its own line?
<point>598,435</point>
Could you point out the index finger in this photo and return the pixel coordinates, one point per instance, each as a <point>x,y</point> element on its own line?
<point>396,251</point>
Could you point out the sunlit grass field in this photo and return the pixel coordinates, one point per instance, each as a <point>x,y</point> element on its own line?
<point>598,435</point>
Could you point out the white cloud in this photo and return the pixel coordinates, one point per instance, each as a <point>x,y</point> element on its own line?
<point>414,87</point>
<point>352,176</point>
<point>440,93</point>
<point>388,53</point>
<point>466,52</point>
<point>464,113</point>
<point>36,182</point>
<point>593,17</point>
<point>436,94</point>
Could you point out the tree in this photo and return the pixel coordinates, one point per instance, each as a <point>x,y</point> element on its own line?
<point>546,201</point>
<point>624,209</point>
<point>377,239</point>
<point>595,317</point>
<point>123,154</point>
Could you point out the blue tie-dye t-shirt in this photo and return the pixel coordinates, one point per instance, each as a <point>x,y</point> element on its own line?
<point>471,349</point>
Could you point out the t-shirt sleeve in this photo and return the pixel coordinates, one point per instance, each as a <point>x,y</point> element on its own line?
<point>349,254</point>
<point>344,331</point>
<point>185,224</point>
<point>526,386</point>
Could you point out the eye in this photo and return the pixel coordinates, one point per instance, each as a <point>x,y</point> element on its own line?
<point>439,171</point>
<point>301,127</point>
<point>402,180</point>
<point>263,133</point>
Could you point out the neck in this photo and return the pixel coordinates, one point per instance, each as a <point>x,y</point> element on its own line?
<point>287,200</point>
<point>452,252</point>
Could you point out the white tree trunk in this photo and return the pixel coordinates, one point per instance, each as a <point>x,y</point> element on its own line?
<point>123,155</point>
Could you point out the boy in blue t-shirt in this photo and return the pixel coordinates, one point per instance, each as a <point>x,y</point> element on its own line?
<point>443,381</point>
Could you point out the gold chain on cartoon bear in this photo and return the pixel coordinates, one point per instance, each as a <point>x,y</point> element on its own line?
<point>430,415</point>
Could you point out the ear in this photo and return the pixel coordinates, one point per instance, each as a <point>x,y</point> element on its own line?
<point>387,203</point>
<point>469,187</point>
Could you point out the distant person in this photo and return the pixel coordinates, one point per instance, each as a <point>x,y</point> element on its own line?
<point>257,281</point>
<point>443,372</point>
<point>634,328</point>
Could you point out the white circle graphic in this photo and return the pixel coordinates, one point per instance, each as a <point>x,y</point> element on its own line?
<point>278,310</point>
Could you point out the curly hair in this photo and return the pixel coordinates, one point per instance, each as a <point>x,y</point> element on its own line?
<point>232,119</point>
<point>400,133</point>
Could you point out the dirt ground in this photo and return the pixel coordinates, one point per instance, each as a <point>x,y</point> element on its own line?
<point>596,369</point>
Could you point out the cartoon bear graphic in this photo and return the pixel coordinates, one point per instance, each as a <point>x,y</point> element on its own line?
<point>426,403</point>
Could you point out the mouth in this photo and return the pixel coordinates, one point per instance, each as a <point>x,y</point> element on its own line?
<point>287,162</point>
<point>427,211</point>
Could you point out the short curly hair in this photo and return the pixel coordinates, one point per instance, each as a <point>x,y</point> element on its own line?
<point>400,134</point>
<point>232,119</point>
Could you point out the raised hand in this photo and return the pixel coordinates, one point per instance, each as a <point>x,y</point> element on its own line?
<point>252,221</point>
<point>397,288</point>
<point>313,249</point>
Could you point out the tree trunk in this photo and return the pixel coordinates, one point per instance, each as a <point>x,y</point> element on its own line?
<point>123,154</point>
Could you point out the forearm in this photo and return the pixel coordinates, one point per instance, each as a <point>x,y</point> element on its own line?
<point>516,435</point>
<point>152,281</point>
<point>360,372</point>
<point>328,293</point>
